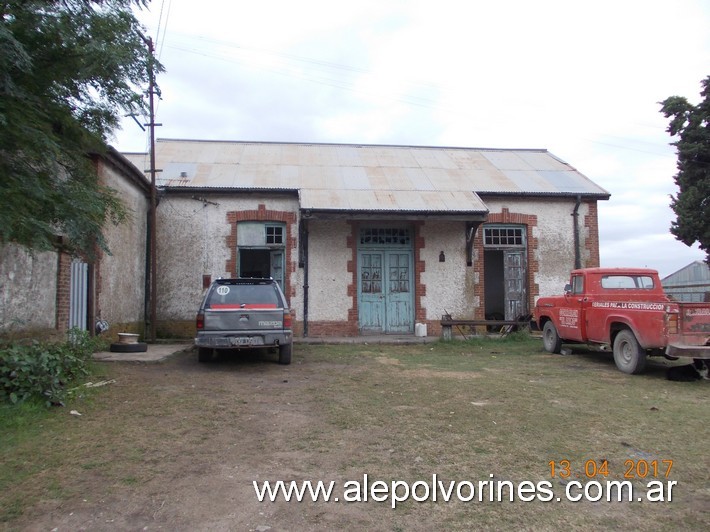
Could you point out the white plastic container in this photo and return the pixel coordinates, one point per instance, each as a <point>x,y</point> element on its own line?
<point>420,329</point>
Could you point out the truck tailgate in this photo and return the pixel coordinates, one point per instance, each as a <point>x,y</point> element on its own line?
<point>695,320</point>
<point>247,319</point>
<point>694,332</point>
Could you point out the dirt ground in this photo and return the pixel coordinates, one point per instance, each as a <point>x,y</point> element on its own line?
<point>177,445</point>
<point>192,468</point>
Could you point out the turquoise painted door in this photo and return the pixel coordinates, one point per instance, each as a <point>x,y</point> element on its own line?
<point>399,309</point>
<point>277,267</point>
<point>385,292</point>
<point>371,291</point>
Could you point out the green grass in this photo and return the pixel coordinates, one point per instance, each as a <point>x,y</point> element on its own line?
<point>463,410</point>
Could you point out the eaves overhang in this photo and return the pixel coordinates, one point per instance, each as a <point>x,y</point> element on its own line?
<point>340,214</point>
<point>226,190</point>
<point>585,195</point>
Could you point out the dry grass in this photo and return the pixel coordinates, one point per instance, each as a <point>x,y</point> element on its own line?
<point>176,445</point>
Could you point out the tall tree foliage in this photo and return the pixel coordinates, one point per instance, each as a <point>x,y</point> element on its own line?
<point>69,70</point>
<point>691,124</point>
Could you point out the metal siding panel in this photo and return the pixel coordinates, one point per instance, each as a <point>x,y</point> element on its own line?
<point>542,161</point>
<point>352,167</point>
<point>569,181</point>
<point>525,181</point>
<point>505,160</point>
<point>78,295</point>
<point>355,178</point>
<point>419,179</point>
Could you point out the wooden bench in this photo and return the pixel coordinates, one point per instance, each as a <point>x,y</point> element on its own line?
<point>504,326</point>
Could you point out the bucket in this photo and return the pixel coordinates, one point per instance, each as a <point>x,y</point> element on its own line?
<point>420,329</point>
<point>127,338</point>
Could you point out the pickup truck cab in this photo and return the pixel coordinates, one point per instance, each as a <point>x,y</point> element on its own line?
<point>627,310</point>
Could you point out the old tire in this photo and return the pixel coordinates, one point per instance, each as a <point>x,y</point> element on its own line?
<point>628,354</point>
<point>285,351</point>
<point>550,339</point>
<point>136,347</point>
<point>205,354</point>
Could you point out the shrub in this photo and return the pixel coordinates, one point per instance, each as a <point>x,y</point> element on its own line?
<point>43,370</point>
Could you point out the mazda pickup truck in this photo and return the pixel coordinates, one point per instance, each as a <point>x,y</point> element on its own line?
<point>244,313</point>
<point>624,309</point>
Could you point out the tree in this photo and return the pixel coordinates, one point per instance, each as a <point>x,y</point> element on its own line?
<point>691,123</point>
<point>69,70</point>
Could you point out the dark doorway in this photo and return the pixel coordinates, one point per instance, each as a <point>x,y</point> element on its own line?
<point>254,263</point>
<point>494,275</point>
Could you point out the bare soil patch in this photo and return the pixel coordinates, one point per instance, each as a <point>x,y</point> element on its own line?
<point>177,445</point>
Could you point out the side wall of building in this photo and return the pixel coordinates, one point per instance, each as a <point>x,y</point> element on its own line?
<point>198,241</point>
<point>36,287</point>
<point>120,275</point>
<point>28,291</point>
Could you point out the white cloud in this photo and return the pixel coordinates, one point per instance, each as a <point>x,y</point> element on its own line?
<point>580,79</point>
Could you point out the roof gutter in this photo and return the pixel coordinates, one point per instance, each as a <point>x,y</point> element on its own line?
<point>575,217</point>
<point>464,216</point>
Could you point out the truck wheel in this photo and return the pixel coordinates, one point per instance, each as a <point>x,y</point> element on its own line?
<point>628,354</point>
<point>550,339</point>
<point>285,351</point>
<point>204,354</point>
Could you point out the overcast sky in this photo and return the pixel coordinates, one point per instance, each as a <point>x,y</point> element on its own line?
<point>580,79</point>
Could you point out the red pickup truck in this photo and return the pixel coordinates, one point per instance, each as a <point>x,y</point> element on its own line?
<point>624,308</point>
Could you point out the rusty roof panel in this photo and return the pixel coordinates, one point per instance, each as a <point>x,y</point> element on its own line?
<point>363,177</point>
<point>392,201</point>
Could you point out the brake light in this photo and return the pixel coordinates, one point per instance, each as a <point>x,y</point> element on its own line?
<point>200,320</point>
<point>287,319</point>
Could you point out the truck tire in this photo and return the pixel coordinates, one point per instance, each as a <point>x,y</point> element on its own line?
<point>628,354</point>
<point>550,339</point>
<point>285,351</point>
<point>204,354</point>
<point>135,347</point>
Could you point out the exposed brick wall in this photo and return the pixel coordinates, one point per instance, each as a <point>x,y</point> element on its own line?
<point>533,265</point>
<point>63,290</point>
<point>262,214</point>
<point>351,327</point>
<point>591,244</point>
<point>332,328</point>
<point>419,269</point>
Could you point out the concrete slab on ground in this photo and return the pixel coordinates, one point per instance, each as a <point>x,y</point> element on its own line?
<point>161,351</point>
<point>155,353</point>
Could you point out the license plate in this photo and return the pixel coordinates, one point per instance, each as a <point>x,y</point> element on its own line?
<point>243,340</point>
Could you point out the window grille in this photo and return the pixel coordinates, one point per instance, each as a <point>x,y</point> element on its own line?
<point>274,234</point>
<point>503,237</point>
<point>385,236</point>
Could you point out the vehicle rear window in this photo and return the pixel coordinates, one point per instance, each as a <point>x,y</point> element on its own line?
<point>231,296</point>
<point>627,282</point>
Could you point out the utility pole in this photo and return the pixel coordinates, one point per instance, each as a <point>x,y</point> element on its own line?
<point>153,197</point>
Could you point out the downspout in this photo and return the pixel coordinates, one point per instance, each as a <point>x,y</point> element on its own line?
<point>303,263</point>
<point>577,251</point>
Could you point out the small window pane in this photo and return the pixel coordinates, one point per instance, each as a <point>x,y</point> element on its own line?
<point>503,236</point>
<point>274,234</point>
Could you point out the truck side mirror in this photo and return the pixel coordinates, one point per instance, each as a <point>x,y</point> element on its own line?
<point>568,288</point>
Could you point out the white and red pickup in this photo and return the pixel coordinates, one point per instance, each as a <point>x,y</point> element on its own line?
<point>626,309</point>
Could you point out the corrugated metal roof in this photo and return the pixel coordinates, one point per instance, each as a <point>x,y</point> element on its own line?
<point>368,177</point>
